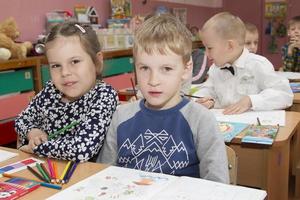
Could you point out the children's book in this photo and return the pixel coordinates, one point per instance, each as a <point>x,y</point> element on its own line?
<point>295,87</point>
<point>129,184</point>
<point>16,187</point>
<point>261,134</point>
<point>230,129</point>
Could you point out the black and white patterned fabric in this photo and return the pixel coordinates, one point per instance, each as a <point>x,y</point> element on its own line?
<point>47,112</point>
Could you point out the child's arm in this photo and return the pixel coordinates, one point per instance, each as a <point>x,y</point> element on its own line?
<point>211,149</point>
<point>35,137</point>
<point>28,120</point>
<point>85,141</point>
<point>109,151</point>
<point>275,91</point>
<point>241,106</point>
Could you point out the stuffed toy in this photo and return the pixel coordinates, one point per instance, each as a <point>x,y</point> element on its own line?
<point>4,54</point>
<point>8,35</point>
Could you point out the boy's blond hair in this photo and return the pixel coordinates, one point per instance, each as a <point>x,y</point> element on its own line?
<point>294,20</point>
<point>162,33</point>
<point>227,26</point>
<point>251,27</point>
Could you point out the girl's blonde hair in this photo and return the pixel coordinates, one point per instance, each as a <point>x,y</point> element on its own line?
<point>162,33</point>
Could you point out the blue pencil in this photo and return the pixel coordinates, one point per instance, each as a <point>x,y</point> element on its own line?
<point>66,180</point>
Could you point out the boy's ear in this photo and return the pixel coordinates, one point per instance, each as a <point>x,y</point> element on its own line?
<point>231,44</point>
<point>188,69</point>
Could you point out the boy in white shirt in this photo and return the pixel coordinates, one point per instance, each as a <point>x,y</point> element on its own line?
<point>251,38</point>
<point>238,80</point>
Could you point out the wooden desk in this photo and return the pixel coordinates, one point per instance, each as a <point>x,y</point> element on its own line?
<point>82,171</point>
<point>296,102</point>
<point>268,168</point>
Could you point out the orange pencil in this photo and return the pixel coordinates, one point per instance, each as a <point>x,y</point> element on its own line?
<point>55,174</point>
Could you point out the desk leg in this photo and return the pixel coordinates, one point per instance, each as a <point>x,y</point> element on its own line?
<point>277,182</point>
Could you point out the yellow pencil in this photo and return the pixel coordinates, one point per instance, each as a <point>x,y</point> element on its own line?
<point>65,171</point>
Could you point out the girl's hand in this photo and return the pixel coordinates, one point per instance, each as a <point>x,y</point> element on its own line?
<point>208,102</point>
<point>36,137</point>
<point>26,149</point>
<point>241,106</point>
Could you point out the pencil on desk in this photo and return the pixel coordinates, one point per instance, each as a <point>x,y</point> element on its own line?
<point>53,135</point>
<point>55,173</point>
<point>42,172</point>
<point>44,184</point>
<point>50,167</point>
<point>133,87</point>
<point>65,171</point>
<point>71,172</point>
<point>46,172</point>
<point>35,173</point>
<point>258,122</point>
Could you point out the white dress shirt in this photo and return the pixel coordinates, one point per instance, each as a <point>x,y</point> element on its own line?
<point>254,76</point>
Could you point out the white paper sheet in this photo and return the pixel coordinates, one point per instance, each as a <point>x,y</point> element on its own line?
<point>273,117</point>
<point>5,155</point>
<point>127,184</point>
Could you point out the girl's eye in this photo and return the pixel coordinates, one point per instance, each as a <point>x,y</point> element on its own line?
<point>75,61</point>
<point>55,66</point>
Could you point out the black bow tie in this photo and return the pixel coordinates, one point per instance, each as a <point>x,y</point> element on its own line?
<point>230,68</point>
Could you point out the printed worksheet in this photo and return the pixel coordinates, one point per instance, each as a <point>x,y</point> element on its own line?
<point>129,184</point>
<point>5,155</point>
<point>272,117</point>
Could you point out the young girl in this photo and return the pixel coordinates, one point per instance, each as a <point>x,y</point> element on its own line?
<point>68,119</point>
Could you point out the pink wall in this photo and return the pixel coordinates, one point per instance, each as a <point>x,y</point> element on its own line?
<point>30,14</point>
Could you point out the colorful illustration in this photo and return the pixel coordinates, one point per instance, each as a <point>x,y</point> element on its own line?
<point>117,183</point>
<point>263,134</point>
<point>18,166</point>
<point>295,87</point>
<point>230,129</point>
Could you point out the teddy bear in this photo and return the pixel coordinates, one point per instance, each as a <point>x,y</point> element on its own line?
<point>8,34</point>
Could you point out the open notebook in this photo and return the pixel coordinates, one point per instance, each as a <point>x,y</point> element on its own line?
<point>123,183</point>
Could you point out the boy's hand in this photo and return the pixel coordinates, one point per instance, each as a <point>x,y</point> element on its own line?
<point>36,137</point>
<point>241,106</point>
<point>208,102</point>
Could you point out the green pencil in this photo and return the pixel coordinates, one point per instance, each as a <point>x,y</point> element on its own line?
<point>52,135</point>
<point>42,172</point>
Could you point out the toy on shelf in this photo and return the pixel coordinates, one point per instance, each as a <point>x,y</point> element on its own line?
<point>9,32</point>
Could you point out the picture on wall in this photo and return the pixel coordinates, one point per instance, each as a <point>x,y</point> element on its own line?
<point>181,14</point>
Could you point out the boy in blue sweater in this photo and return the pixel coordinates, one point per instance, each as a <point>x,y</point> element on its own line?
<point>165,132</point>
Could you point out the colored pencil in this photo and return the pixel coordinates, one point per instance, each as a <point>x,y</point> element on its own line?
<point>46,171</point>
<point>192,96</point>
<point>42,172</point>
<point>49,185</point>
<point>50,167</point>
<point>35,173</point>
<point>53,135</point>
<point>65,171</point>
<point>55,173</point>
<point>71,172</point>
<point>133,87</point>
